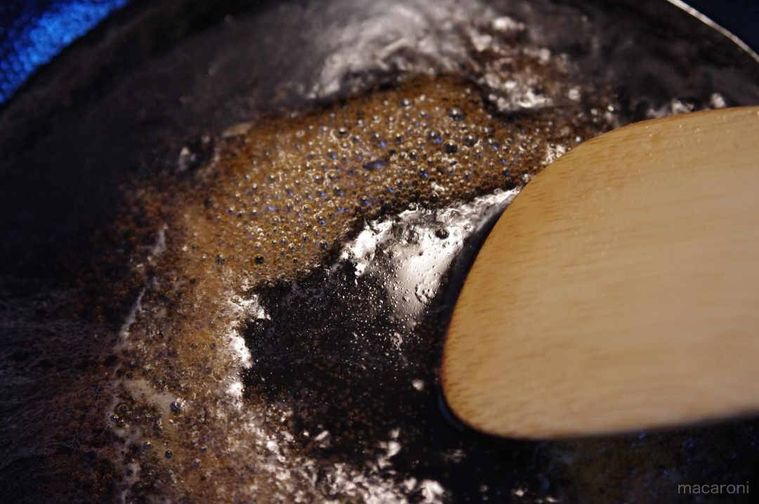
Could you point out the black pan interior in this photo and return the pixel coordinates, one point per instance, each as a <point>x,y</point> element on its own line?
<point>119,105</point>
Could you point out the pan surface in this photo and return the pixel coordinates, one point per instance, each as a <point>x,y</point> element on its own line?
<point>316,381</point>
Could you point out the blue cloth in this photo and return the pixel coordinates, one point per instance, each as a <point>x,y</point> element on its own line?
<point>33,32</point>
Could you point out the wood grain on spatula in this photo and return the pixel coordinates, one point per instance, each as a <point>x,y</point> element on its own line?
<point>620,290</point>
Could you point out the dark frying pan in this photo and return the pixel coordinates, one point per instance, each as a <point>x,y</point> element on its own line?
<point>119,106</point>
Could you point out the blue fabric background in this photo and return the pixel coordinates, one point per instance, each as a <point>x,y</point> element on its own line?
<point>32,32</point>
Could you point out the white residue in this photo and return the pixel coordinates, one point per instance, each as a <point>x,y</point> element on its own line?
<point>422,244</point>
<point>130,319</point>
<point>242,308</point>
<point>413,36</point>
<point>431,491</point>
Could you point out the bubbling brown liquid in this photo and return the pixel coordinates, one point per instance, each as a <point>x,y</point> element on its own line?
<point>283,192</point>
<point>290,278</point>
<point>267,358</point>
<point>276,200</point>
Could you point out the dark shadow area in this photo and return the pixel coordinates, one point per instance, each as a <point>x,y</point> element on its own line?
<point>334,351</point>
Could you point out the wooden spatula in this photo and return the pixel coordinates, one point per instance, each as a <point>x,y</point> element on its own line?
<point>620,290</point>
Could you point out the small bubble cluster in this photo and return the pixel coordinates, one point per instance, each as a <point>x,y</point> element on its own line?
<point>287,190</point>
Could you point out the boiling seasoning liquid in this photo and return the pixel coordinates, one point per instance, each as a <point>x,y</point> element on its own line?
<point>282,286</point>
